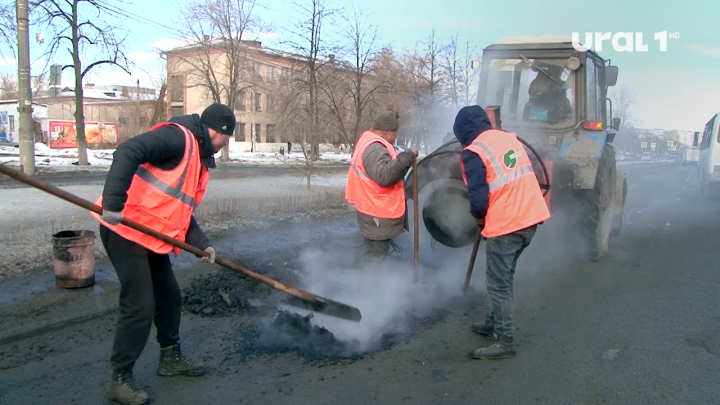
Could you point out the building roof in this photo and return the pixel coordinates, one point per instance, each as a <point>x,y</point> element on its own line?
<point>15,101</point>
<point>105,94</point>
<point>535,40</point>
<point>255,46</point>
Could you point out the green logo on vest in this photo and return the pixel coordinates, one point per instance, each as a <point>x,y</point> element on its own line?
<point>510,159</point>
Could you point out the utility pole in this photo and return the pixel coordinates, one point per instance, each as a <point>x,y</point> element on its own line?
<point>26,127</point>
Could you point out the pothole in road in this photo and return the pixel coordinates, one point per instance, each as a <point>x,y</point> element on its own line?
<point>289,332</point>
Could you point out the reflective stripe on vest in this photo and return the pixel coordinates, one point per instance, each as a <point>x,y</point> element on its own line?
<point>503,178</point>
<point>155,202</point>
<point>515,198</point>
<point>369,197</point>
<point>175,192</point>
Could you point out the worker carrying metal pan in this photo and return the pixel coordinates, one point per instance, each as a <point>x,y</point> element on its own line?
<point>507,202</point>
<point>375,187</point>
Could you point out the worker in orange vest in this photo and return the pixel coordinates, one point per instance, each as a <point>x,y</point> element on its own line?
<point>508,204</point>
<point>375,187</point>
<point>157,179</point>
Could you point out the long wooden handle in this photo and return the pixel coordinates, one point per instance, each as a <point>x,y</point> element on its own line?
<point>416,219</point>
<point>17,175</point>
<point>473,255</point>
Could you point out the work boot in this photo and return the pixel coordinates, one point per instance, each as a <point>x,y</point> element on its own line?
<point>486,328</point>
<point>172,362</point>
<point>121,388</point>
<point>502,348</point>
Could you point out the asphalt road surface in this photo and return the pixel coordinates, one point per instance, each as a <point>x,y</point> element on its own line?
<point>640,327</point>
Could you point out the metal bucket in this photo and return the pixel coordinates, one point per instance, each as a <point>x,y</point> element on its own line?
<point>74,258</point>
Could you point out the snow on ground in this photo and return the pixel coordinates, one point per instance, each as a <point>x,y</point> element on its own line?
<point>46,157</point>
<point>290,158</point>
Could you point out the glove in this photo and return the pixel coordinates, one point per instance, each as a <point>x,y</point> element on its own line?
<point>210,259</point>
<point>111,217</point>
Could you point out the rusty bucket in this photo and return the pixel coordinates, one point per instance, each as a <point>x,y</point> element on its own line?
<point>74,258</point>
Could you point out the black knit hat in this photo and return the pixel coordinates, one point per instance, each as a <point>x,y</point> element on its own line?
<point>220,118</point>
<point>386,121</point>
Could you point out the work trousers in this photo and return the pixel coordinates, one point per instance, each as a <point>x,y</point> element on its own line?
<point>148,292</point>
<point>502,254</point>
<point>374,252</point>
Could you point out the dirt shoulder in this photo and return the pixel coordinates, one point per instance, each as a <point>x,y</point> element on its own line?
<point>30,217</point>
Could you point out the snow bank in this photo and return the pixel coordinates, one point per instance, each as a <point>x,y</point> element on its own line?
<point>45,156</point>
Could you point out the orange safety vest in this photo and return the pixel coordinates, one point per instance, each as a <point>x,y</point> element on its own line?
<point>515,201</point>
<point>368,197</point>
<point>163,200</point>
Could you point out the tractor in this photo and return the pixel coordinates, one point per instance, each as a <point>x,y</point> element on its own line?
<point>554,97</point>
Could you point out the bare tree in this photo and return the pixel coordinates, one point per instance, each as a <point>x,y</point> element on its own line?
<point>623,100</point>
<point>8,29</point>
<point>39,84</point>
<point>469,71</point>
<point>453,69</point>
<point>217,58</point>
<point>423,65</point>
<point>159,113</point>
<point>353,94</point>
<point>76,34</point>
<point>308,42</point>
<point>9,87</point>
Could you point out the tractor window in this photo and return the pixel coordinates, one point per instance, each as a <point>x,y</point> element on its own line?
<point>531,91</point>
<point>592,91</point>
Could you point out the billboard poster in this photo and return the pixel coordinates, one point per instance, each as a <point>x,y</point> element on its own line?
<point>97,134</point>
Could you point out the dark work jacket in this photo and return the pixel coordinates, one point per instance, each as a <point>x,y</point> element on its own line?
<point>470,123</point>
<point>163,148</point>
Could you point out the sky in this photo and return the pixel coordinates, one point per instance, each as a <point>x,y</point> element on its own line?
<point>675,89</point>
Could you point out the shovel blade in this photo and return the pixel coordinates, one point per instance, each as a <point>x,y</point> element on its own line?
<point>327,307</point>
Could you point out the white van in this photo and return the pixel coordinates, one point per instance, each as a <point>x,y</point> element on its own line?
<point>709,164</point>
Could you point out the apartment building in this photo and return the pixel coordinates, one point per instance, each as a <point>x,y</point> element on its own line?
<point>199,74</point>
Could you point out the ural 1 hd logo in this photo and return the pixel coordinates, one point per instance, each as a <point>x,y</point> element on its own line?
<point>627,37</point>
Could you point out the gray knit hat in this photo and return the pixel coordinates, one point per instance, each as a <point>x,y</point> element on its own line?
<point>386,121</point>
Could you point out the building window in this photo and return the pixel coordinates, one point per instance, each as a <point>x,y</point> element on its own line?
<point>240,132</point>
<point>178,110</point>
<point>257,69</point>
<point>257,136</point>
<point>591,113</point>
<point>177,88</point>
<point>270,71</point>
<point>240,102</point>
<point>258,102</point>
<point>285,72</point>
<point>270,133</point>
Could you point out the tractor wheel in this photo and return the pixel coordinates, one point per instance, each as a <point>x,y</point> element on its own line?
<point>620,207</point>
<point>598,206</point>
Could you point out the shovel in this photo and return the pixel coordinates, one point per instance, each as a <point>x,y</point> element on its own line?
<point>473,255</point>
<point>299,297</point>
<point>416,227</point>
